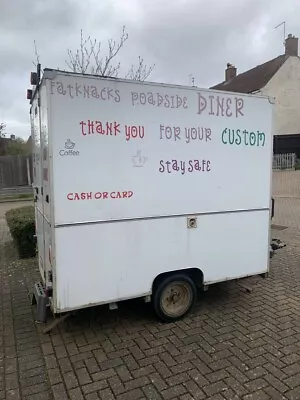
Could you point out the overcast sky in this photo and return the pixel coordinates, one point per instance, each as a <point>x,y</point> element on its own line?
<point>181,37</point>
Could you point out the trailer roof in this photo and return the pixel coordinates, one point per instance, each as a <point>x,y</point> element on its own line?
<point>49,73</point>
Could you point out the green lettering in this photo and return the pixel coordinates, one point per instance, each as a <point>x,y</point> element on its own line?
<point>224,133</point>
<point>238,139</point>
<point>231,136</point>
<point>245,132</point>
<point>252,139</point>
<point>261,138</point>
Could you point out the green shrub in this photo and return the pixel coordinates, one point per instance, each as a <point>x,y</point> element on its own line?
<point>21,223</point>
<point>297,165</point>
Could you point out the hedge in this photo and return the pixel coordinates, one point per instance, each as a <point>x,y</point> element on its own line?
<point>21,223</point>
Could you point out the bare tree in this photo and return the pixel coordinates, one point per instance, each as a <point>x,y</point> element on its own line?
<point>2,128</point>
<point>89,58</point>
<point>141,72</point>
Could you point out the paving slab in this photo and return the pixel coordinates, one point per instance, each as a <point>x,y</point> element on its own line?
<point>234,345</point>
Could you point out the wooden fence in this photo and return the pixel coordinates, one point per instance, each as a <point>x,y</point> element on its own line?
<point>15,171</point>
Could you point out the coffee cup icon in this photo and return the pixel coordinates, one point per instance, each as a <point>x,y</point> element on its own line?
<point>69,145</point>
<point>139,160</point>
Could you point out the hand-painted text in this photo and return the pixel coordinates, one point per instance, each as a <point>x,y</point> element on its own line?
<point>220,106</point>
<point>158,100</point>
<point>104,128</point>
<point>183,167</point>
<point>188,134</point>
<point>243,137</point>
<point>127,194</point>
<point>76,90</point>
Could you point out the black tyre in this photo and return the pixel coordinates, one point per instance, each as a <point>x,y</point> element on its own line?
<point>174,296</point>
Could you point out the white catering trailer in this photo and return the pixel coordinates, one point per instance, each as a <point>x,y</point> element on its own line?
<point>146,190</point>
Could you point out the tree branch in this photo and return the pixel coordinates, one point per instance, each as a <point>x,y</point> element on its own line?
<point>141,72</point>
<point>89,59</point>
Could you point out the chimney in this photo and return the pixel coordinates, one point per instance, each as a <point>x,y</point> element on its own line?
<point>291,45</point>
<point>230,72</point>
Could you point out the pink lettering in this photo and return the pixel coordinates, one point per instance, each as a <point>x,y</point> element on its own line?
<point>158,100</point>
<point>202,103</point>
<point>211,103</point>
<point>239,105</point>
<point>134,132</point>
<point>228,107</point>
<point>182,166</point>
<point>220,106</point>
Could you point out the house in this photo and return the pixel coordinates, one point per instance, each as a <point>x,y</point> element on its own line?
<point>279,78</point>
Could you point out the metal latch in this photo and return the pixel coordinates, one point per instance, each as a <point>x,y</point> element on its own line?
<point>192,222</point>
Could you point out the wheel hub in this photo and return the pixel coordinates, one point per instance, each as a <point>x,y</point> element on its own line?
<point>176,299</point>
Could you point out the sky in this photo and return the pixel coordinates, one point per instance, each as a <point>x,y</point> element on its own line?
<point>182,38</point>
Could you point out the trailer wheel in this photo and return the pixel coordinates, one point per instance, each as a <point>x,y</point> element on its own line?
<point>174,296</point>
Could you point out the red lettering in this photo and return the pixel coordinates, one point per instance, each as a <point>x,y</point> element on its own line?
<point>109,128</point>
<point>141,132</point>
<point>99,195</point>
<point>116,128</point>
<point>127,132</point>
<point>82,123</point>
<point>134,131</point>
<point>91,126</point>
<point>99,128</point>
